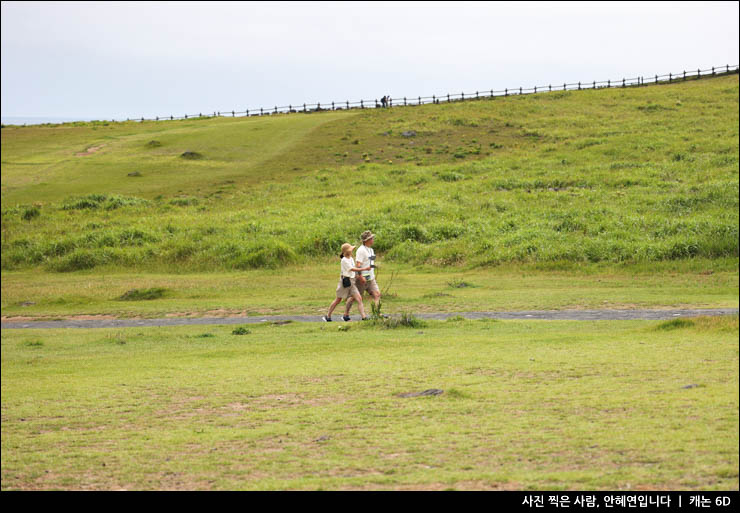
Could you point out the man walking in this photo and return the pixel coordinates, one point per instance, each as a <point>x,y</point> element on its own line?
<point>365,281</point>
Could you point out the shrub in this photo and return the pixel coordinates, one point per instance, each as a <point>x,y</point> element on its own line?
<point>30,213</point>
<point>451,176</point>
<point>271,254</point>
<point>241,330</point>
<point>79,260</point>
<point>143,294</point>
<point>184,202</point>
<point>674,324</point>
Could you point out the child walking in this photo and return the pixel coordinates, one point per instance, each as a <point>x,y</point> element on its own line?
<point>347,287</point>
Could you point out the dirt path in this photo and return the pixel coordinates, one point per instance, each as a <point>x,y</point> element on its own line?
<point>563,315</point>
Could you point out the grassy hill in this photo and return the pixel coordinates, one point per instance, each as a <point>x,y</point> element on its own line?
<point>613,175</point>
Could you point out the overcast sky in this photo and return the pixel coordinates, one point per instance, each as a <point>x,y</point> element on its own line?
<point>106,60</point>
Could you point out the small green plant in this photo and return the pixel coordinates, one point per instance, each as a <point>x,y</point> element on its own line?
<point>675,324</point>
<point>116,338</point>
<point>143,294</point>
<point>192,155</point>
<point>30,213</point>
<point>184,202</point>
<point>241,330</point>
<point>459,284</point>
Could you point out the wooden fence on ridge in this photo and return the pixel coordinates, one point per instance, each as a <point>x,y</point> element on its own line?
<point>449,97</point>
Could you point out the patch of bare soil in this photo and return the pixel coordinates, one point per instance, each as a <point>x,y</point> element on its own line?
<point>25,318</point>
<point>89,151</point>
<point>210,313</point>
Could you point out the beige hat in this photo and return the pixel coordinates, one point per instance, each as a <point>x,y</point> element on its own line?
<point>347,246</point>
<point>367,235</point>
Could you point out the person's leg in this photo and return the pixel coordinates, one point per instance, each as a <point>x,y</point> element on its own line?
<point>348,305</point>
<point>358,298</point>
<point>376,298</point>
<point>333,306</point>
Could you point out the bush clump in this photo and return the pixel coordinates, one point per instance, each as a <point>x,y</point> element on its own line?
<point>270,254</point>
<point>675,324</point>
<point>30,213</point>
<point>143,294</point>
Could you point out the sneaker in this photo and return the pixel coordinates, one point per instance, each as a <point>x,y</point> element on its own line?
<point>346,318</point>
<point>326,319</point>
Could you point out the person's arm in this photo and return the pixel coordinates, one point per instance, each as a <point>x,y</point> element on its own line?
<point>360,278</point>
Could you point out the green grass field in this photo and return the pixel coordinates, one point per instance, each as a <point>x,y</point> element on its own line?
<point>597,199</point>
<point>626,405</point>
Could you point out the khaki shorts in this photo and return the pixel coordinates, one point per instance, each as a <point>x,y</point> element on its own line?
<point>345,292</point>
<point>370,286</point>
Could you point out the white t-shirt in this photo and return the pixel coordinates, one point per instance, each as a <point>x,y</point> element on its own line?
<point>347,264</point>
<point>363,260</point>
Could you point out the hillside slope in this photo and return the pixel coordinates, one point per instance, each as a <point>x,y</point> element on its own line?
<point>635,174</point>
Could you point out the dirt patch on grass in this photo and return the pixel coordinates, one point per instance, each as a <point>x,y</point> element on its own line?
<point>221,312</point>
<point>25,318</point>
<point>89,151</point>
